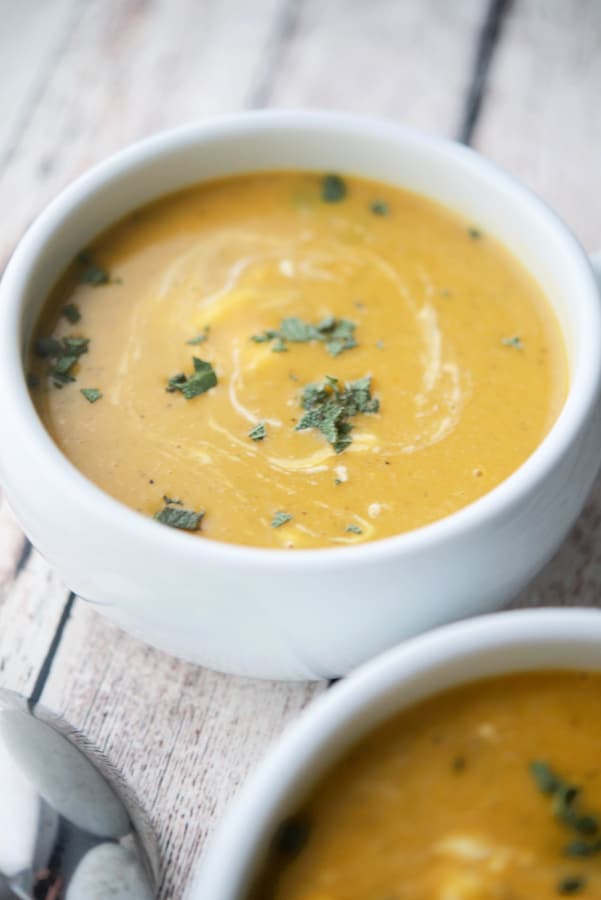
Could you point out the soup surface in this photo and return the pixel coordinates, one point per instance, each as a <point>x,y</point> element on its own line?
<point>308,360</point>
<point>468,796</point>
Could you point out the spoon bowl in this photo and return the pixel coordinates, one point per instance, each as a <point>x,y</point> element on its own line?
<point>70,828</point>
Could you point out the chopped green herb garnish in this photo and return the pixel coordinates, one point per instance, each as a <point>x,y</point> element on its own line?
<point>513,342</point>
<point>380,345</point>
<point>474,233</point>
<point>91,272</point>
<point>258,432</point>
<point>32,380</point>
<point>76,346</point>
<point>172,501</point>
<point>380,208</point>
<point>91,394</point>
<point>565,806</point>
<point>333,189</point>
<point>354,529</point>
<point>292,836</point>
<point>71,313</point>
<point>65,354</point>
<point>177,517</point>
<point>546,780</point>
<point>337,334</point>
<point>264,337</point>
<point>280,518</point>
<point>64,364</point>
<point>583,848</point>
<point>47,346</point>
<point>200,338</point>
<point>329,405</point>
<point>459,763</point>
<point>571,884</point>
<point>175,382</point>
<point>295,330</point>
<point>202,380</point>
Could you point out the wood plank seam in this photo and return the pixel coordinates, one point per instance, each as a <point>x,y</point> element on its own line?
<point>24,557</point>
<point>285,26</point>
<point>488,41</point>
<point>46,667</point>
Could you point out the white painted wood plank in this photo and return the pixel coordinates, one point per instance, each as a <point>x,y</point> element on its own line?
<point>540,121</point>
<point>31,37</point>
<point>30,609</point>
<point>541,116</point>
<point>129,69</point>
<point>408,60</point>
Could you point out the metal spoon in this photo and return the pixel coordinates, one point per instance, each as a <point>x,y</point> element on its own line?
<point>70,829</point>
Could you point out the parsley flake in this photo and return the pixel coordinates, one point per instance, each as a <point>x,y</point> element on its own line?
<point>178,517</point>
<point>337,335</point>
<point>200,338</point>
<point>474,233</point>
<point>380,208</point>
<point>90,272</point>
<point>258,432</point>
<point>172,501</point>
<point>202,380</point>
<point>565,803</point>
<point>47,346</point>
<point>280,518</point>
<point>329,406</point>
<point>354,529</point>
<point>71,313</point>
<point>91,394</point>
<point>571,884</point>
<point>515,342</point>
<point>333,189</point>
<point>65,354</point>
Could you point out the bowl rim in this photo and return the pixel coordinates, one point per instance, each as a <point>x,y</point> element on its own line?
<point>18,408</point>
<point>251,812</point>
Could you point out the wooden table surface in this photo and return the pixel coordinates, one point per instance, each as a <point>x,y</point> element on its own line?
<point>519,81</point>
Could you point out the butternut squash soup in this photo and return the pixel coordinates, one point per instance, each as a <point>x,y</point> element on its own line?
<point>490,791</point>
<point>294,360</point>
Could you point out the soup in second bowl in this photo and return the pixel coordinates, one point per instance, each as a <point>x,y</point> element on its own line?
<point>490,791</point>
<point>294,360</point>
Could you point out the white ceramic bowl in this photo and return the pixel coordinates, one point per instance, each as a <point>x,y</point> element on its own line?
<point>307,613</point>
<point>449,656</point>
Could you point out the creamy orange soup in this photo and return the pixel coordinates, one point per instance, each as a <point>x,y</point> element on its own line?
<point>487,792</point>
<point>294,360</point>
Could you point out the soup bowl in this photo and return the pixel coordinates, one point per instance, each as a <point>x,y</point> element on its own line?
<point>298,613</point>
<point>450,656</point>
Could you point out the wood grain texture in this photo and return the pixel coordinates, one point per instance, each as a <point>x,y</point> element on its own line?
<point>31,40</point>
<point>127,69</point>
<point>541,116</point>
<point>31,604</point>
<point>409,60</point>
